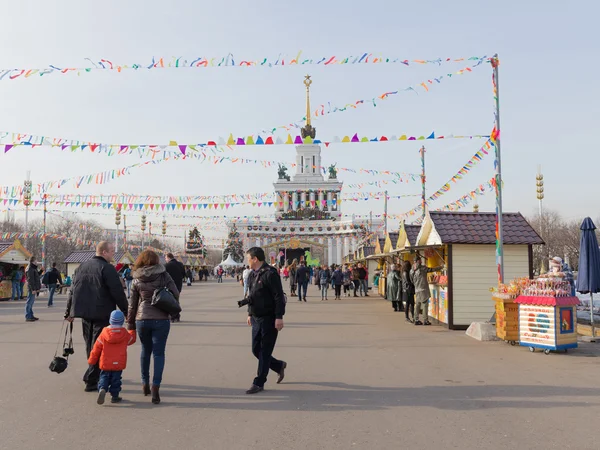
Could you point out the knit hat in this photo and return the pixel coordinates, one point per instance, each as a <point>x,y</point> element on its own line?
<point>117,318</point>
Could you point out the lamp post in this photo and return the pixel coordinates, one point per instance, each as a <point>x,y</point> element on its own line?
<point>125,232</point>
<point>143,228</point>
<point>539,184</point>
<point>44,234</point>
<point>164,231</point>
<point>117,223</point>
<point>27,202</point>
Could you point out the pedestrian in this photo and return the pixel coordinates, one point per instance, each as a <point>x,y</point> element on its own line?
<point>110,353</point>
<point>95,294</point>
<point>245,275</point>
<point>33,287</point>
<point>17,291</point>
<point>362,277</point>
<point>408,293</point>
<point>393,284</point>
<point>356,279</point>
<point>266,309</point>
<point>338,279</point>
<point>53,279</point>
<point>292,278</point>
<point>302,280</point>
<point>188,277</point>
<point>418,276</point>
<point>152,324</point>
<point>220,273</point>
<point>325,277</point>
<point>128,279</point>
<point>176,270</point>
<point>347,272</point>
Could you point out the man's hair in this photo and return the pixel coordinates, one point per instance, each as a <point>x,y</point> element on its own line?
<point>54,265</point>
<point>256,252</point>
<point>170,255</point>
<point>102,247</point>
<point>302,263</point>
<point>32,259</point>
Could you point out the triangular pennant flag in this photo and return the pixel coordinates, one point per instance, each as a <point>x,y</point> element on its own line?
<point>421,138</point>
<point>240,141</point>
<point>259,141</point>
<point>412,138</point>
<point>383,138</point>
<point>269,141</point>
<point>374,140</point>
<point>182,149</point>
<point>345,139</point>
<point>279,141</point>
<point>249,140</point>
<point>327,144</point>
<point>355,138</point>
<point>431,136</point>
<point>289,139</point>
<point>364,139</point>
<point>172,144</point>
<point>308,140</point>
<point>221,141</point>
<point>298,140</point>
<point>7,147</point>
<point>211,143</point>
<point>230,141</point>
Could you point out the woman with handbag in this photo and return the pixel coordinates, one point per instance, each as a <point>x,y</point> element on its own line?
<point>152,323</point>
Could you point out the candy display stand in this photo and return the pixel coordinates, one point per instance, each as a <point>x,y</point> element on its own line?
<point>507,319</point>
<point>547,323</point>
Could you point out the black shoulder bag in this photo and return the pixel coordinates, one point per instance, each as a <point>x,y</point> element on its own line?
<point>59,363</point>
<point>164,300</point>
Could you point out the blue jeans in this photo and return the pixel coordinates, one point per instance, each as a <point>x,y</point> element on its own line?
<point>29,305</point>
<point>51,291</point>
<point>128,284</point>
<point>363,287</point>
<point>110,382</point>
<point>17,290</point>
<point>324,288</point>
<point>153,335</point>
<point>303,285</point>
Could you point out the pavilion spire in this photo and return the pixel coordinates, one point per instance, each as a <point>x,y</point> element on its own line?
<point>308,129</point>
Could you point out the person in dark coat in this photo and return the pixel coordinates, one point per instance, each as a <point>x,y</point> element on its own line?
<point>302,280</point>
<point>338,281</point>
<point>53,278</point>
<point>408,292</point>
<point>33,286</point>
<point>96,292</point>
<point>266,309</point>
<point>177,271</point>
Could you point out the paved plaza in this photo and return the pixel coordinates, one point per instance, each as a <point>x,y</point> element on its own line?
<point>358,377</point>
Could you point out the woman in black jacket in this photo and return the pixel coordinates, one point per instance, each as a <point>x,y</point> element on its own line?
<point>408,292</point>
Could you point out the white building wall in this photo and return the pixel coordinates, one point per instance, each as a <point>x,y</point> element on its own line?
<point>474,272</point>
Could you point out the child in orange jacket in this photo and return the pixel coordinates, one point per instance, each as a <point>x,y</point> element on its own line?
<point>111,350</point>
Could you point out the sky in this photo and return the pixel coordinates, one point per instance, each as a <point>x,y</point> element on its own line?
<point>548,95</point>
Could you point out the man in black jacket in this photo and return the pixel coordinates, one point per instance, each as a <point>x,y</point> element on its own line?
<point>302,278</point>
<point>53,279</point>
<point>177,271</point>
<point>96,292</point>
<point>266,309</point>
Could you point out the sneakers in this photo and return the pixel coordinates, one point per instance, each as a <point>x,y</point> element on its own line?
<point>30,319</point>
<point>427,322</point>
<point>116,399</point>
<point>418,322</point>
<point>101,396</point>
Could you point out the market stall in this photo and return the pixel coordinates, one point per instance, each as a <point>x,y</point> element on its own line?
<point>13,256</point>
<point>466,244</point>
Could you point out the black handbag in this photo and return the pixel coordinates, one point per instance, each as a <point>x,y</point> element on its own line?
<point>164,300</point>
<point>59,363</point>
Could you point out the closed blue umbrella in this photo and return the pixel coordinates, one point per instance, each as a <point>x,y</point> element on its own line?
<point>588,278</point>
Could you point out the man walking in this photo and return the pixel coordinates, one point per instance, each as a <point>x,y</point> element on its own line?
<point>177,271</point>
<point>266,309</point>
<point>33,288</point>
<point>362,279</point>
<point>302,279</point>
<point>17,291</point>
<point>96,292</point>
<point>54,279</point>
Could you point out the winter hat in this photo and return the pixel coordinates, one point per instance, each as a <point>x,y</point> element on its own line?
<point>117,318</point>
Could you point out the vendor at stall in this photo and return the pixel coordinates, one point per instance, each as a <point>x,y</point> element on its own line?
<point>418,276</point>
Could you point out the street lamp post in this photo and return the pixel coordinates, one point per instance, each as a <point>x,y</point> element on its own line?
<point>117,223</point>
<point>164,231</point>
<point>143,228</point>
<point>27,202</point>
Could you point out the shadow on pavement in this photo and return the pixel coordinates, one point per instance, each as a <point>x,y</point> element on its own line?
<point>345,397</point>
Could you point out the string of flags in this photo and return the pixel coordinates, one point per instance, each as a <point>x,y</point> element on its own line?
<point>229,60</point>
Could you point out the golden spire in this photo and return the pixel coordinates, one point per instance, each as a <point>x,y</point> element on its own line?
<point>308,130</point>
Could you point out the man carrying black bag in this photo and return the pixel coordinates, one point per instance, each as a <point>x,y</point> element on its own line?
<point>266,308</point>
<point>96,292</point>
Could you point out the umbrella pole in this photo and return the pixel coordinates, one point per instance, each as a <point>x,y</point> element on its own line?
<point>592,317</point>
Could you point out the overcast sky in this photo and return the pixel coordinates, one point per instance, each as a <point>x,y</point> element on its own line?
<point>549,96</point>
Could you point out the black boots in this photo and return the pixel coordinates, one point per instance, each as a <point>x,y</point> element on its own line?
<point>155,395</point>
